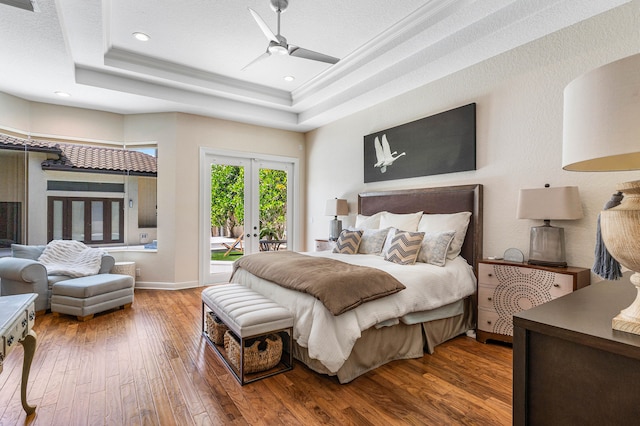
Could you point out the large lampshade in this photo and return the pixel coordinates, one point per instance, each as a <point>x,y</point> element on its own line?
<point>601,123</point>
<point>602,133</point>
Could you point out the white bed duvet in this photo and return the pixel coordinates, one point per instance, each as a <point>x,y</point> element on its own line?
<point>329,338</point>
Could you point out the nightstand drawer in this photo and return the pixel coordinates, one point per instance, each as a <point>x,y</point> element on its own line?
<point>486,297</point>
<point>487,275</point>
<point>487,320</point>
<point>562,284</point>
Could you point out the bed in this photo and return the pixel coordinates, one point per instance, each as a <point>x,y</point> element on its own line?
<point>401,325</point>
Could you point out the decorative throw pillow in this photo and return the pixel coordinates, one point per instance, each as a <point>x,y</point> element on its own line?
<point>458,222</point>
<point>348,242</point>
<point>372,241</point>
<point>403,222</point>
<point>387,241</point>
<point>26,252</point>
<point>435,246</point>
<point>405,247</point>
<point>368,222</point>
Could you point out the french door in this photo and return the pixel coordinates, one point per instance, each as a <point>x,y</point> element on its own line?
<point>247,206</point>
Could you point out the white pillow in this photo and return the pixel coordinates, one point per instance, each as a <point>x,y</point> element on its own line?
<point>435,223</point>
<point>403,222</point>
<point>434,247</point>
<point>368,222</point>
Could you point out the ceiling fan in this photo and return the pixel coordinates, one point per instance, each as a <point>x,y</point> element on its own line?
<point>278,44</point>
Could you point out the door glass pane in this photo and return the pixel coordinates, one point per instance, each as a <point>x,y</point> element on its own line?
<point>115,220</point>
<point>57,219</point>
<point>227,213</point>
<point>77,220</point>
<point>273,209</point>
<point>97,221</point>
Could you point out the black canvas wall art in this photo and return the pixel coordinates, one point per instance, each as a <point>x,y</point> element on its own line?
<point>441,143</point>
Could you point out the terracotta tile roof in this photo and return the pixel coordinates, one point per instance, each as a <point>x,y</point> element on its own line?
<point>74,157</point>
<point>14,143</point>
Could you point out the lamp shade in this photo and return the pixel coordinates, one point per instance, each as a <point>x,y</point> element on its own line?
<point>601,123</point>
<point>561,203</point>
<point>336,207</point>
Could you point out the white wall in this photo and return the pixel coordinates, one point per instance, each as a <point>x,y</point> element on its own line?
<point>179,138</point>
<point>519,98</point>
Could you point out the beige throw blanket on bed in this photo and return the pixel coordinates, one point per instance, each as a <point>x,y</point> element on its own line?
<point>339,286</point>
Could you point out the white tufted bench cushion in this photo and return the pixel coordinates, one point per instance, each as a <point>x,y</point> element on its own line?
<point>248,314</point>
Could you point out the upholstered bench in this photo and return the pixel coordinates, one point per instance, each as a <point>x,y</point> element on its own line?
<point>249,316</point>
<point>86,296</point>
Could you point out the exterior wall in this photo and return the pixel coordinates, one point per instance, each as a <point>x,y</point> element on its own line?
<point>519,98</point>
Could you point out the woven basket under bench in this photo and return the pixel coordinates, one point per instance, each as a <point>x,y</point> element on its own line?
<point>215,328</point>
<point>259,354</point>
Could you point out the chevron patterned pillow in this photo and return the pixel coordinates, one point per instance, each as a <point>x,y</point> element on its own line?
<point>348,242</point>
<point>404,248</point>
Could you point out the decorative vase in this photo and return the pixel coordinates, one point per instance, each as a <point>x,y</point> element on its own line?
<point>620,227</point>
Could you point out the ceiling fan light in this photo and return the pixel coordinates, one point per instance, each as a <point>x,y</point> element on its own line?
<point>277,49</point>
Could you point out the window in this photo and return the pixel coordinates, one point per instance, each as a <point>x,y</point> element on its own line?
<point>90,220</point>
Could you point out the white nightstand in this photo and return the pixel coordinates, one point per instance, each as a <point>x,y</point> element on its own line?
<point>324,245</point>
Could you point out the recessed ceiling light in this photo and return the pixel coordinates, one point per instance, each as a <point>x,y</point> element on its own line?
<point>141,36</point>
<point>289,78</point>
<point>62,94</point>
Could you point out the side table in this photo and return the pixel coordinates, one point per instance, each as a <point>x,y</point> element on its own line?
<point>125,268</point>
<point>324,245</point>
<point>17,316</point>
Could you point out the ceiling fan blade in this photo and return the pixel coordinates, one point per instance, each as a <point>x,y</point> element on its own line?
<point>265,55</point>
<point>310,54</point>
<point>263,26</point>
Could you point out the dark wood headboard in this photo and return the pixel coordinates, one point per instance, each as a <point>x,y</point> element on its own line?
<point>448,199</point>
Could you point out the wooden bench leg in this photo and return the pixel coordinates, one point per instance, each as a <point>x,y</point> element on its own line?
<point>56,314</point>
<point>127,306</point>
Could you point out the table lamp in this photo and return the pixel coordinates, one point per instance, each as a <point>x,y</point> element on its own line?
<point>546,243</point>
<point>601,132</point>
<point>336,207</point>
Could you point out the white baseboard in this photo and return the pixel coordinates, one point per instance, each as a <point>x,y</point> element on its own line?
<point>150,285</point>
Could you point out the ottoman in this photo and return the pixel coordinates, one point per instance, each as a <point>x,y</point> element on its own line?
<point>86,296</point>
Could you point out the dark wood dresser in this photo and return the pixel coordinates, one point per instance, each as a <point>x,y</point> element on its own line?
<point>570,367</point>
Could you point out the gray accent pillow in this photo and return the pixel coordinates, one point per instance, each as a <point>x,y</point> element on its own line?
<point>26,252</point>
<point>435,246</point>
<point>372,241</point>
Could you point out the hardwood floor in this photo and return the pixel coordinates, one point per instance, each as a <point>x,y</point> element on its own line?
<point>149,365</point>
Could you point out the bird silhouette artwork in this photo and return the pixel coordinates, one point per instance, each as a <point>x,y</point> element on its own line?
<point>384,155</point>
